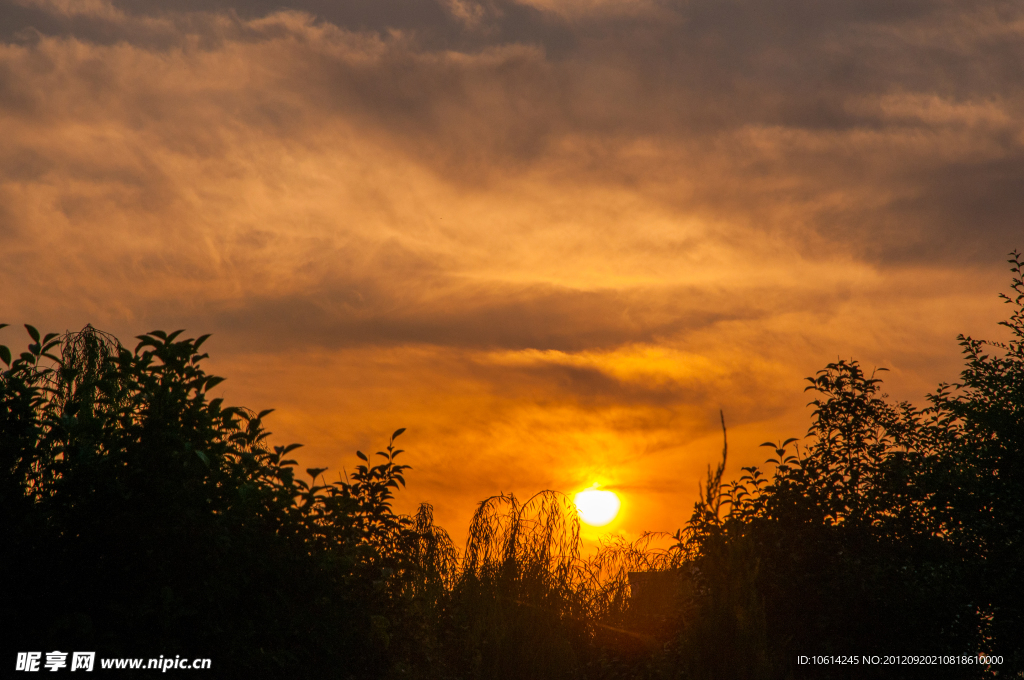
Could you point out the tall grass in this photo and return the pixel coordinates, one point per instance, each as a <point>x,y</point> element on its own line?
<point>523,601</point>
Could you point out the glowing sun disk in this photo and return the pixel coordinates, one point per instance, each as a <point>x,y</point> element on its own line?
<point>597,507</point>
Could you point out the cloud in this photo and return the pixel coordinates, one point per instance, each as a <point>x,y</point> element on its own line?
<point>572,229</point>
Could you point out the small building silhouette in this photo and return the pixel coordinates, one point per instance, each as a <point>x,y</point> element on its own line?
<point>658,599</point>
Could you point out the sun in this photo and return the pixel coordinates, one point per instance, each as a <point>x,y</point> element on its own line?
<point>597,507</point>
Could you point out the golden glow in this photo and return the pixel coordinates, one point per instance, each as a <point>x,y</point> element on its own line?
<point>597,508</point>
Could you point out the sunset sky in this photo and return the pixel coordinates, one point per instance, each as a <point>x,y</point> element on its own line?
<point>552,238</point>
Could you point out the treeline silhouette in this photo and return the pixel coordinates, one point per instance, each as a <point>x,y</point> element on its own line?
<point>143,518</point>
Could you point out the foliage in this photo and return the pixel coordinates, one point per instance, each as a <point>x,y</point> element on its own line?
<point>144,517</point>
<point>840,549</point>
<point>980,482</point>
<point>892,530</point>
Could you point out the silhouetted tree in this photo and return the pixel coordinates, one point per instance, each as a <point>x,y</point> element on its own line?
<point>143,518</point>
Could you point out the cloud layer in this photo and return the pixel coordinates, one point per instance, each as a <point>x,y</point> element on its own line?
<point>553,239</point>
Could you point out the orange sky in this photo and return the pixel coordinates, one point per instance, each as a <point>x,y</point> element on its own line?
<point>551,239</point>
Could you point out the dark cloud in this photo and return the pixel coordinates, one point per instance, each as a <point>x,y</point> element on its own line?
<point>436,24</point>
<point>480,96</point>
<point>590,388</point>
<point>537,317</point>
<point>980,205</point>
<point>456,24</point>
